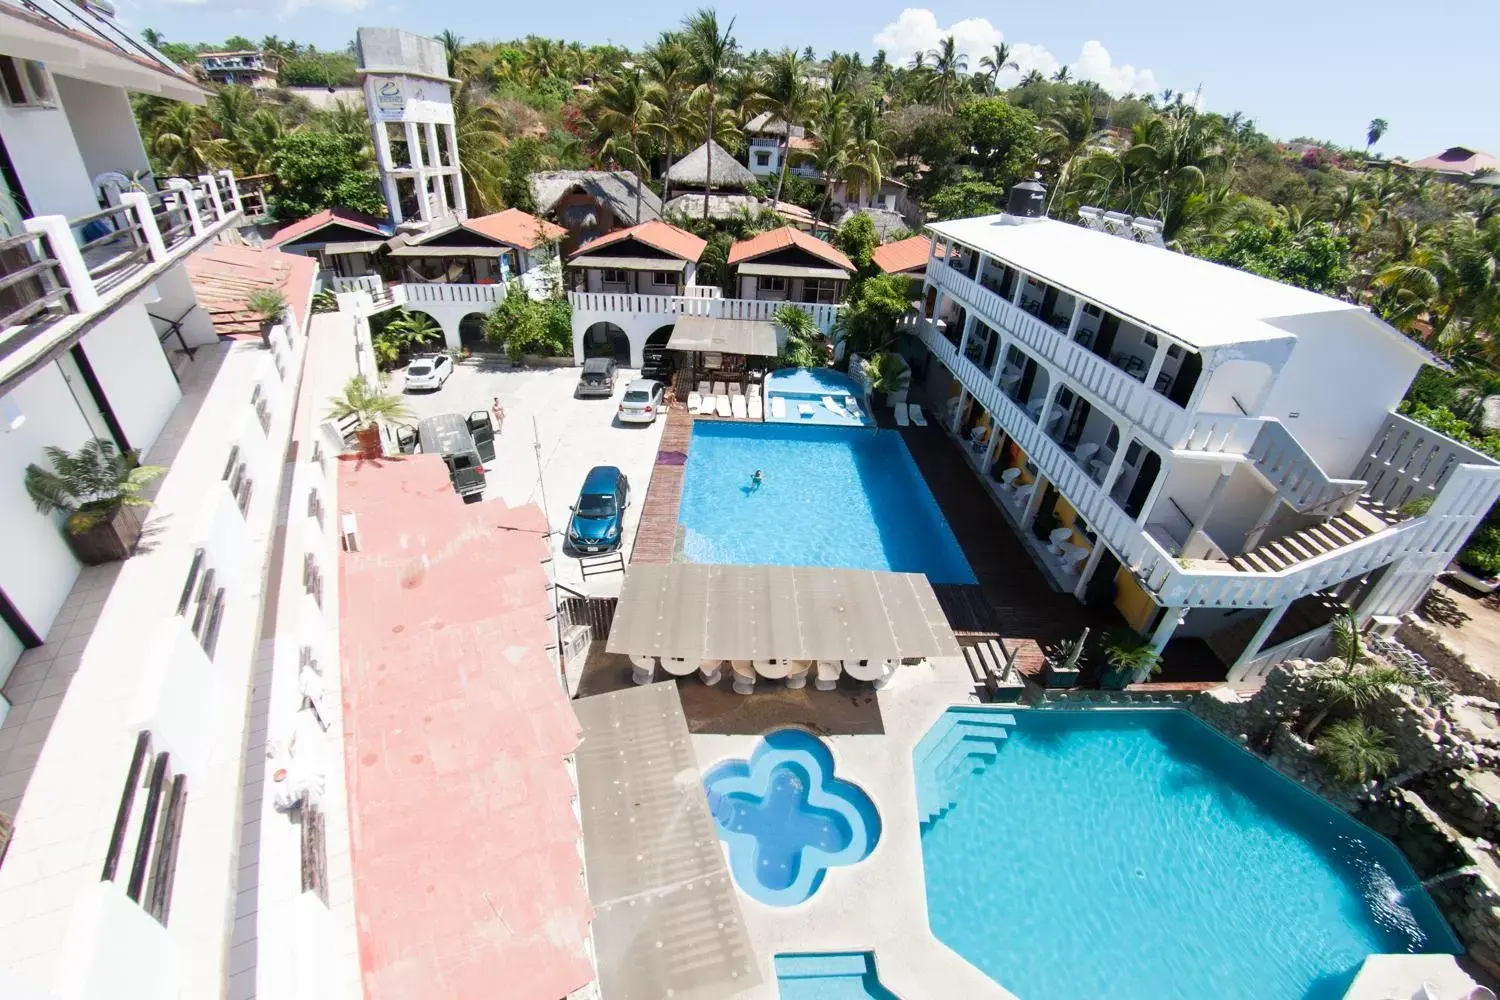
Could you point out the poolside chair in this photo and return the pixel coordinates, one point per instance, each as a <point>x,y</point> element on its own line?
<point>737,405</point>
<point>756,409</point>
<point>719,389</point>
<point>706,405</point>
<point>902,420</point>
<point>754,391</point>
<point>917,416</point>
<point>805,411</point>
<point>778,407</point>
<point>721,406</point>
<point>735,389</point>
<point>695,400</point>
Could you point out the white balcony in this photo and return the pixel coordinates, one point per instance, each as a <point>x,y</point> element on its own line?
<point>61,275</point>
<point>606,305</point>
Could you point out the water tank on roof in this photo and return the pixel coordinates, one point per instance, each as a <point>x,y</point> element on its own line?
<point>1028,200</point>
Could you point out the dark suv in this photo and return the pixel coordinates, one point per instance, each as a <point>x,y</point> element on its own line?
<point>598,378</point>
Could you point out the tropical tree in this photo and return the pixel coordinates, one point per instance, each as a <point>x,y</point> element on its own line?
<point>183,143</point>
<point>1453,280</point>
<point>90,485</point>
<point>1357,681</point>
<point>787,95</point>
<point>997,62</point>
<point>948,64</point>
<point>620,119</point>
<point>452,46</point>
<point>367,404</point>
<point>845,148</point>
<point>669,91</point>
<point>1374,131</point>
<point>318,170</point>
<point>1063,75</point>
<point>1356,752</point>
<point>1066,136</point>
<point>712,54</point>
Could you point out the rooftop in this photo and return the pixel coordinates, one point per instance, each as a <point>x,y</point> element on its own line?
<point>616,188</point>
<point>518,228</point>
<point>465,847</point>
<point>692,170</point>
<point>1202,304</point>
<point>224,277</point>
<point>783,238</point>
<point>903,255</point>
<point>327,217</point>
<point>103,50</point>
<point>1458,160</point>
<point>662,235</point>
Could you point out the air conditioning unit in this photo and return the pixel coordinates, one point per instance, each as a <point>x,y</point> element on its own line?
<point>576,642</point>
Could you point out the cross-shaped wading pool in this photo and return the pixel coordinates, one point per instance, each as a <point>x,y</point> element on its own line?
<point>787,819</point>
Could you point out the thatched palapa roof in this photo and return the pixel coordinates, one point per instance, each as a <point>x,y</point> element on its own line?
<point>692,170</point>
<point>616,188</point>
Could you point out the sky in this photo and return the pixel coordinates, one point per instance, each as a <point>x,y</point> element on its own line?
<point>1320,68</point>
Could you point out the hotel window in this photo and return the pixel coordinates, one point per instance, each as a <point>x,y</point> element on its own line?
<point>613,276</point>
<point>663,278</point>
<point>770,283</point>
<point>821,290</point>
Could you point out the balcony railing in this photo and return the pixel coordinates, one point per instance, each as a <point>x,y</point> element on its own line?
<point>1152,412</point>
<point>1466,490</point>
<point>823,314</point>
<point>33,288</point>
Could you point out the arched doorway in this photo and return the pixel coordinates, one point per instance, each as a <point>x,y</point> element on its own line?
<point>656,360</point>
<point>606,340</point>
<point>471,330</point>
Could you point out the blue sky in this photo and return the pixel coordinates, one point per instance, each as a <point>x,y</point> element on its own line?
<point>1298,67</point>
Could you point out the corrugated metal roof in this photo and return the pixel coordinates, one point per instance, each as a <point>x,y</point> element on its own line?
<point>667,920</point>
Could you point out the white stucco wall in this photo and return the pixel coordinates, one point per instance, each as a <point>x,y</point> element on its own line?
<point>134,374</point>
<point>103,125</point>
<point>47,161</point>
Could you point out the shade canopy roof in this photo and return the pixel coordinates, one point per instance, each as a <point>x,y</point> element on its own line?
<point>713,612</point>
<point>793,271</point>
<point>728,172</point>
<point>731,336</point>
<point>630,263</point>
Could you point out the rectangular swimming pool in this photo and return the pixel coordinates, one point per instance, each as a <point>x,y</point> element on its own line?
<point>831,496</point>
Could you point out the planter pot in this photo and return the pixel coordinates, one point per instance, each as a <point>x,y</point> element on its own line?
<point>368,440</point>
<point>108,541</point>
<point>1116,680</point>
<point>877,400</point>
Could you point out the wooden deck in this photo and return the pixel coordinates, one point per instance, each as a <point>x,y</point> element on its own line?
<point>656,535</point>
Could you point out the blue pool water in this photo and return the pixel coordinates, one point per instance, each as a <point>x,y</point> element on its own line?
<point>838,976</point>
<point>809,386</point>
<point>1140,854</point>
<point>831,497</point>
<point>786,818</point>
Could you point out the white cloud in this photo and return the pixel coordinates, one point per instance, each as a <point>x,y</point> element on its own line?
<point>916,29</point>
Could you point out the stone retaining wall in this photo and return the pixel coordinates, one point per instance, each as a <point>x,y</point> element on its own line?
<point>1447,660</point>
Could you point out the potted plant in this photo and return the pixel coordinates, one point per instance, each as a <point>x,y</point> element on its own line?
<point>270,305</point>
<point>368,405</point>
<point>1129,655</point>
<point>889,374</point>
<point>99,490</point>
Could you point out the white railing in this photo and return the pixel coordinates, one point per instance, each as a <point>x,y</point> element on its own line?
<point>1434,537</point>
<point>1150,411</point>
<point>684,305</point>
<point>703,292</point>
<point>370,283</point>
<point>418,292</point>
<point>1278,456</point>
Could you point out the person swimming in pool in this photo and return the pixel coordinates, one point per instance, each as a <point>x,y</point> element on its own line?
<point>757,479</point>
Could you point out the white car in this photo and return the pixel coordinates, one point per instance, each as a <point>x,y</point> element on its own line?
<point>428,373</point>
<point>644,399</point>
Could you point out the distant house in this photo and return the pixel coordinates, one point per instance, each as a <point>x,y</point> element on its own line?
<point>787,265</point>
<point>344,242</point>
<point>908,256</point>
<point>1460,163</point>
<point>887,224</point>
<point>725,189</point>
<point>247,68</point>
<point>482,251</point>
<point>767,136</point>
<point>590,203</point>
<point>653,258</point>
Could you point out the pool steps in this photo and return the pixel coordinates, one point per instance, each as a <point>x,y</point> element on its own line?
<point>969,745</point>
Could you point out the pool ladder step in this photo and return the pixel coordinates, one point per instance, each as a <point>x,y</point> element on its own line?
<point>969,746</point>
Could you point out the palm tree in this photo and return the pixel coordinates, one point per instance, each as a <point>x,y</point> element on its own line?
<point>1063,75</point>
<point>845,147</point>
<point>1453,278</point>
<point>1170,156</point>
<point>620,117</point>
<point>948,64</point>
<point>479,130</point>
<point>669,92</point>
<point>786,94</point>
<point>712,54</point>
<point>1374,131</point>
<point>183,143</point>
<point>1032,77</point>
<point>1066,136</point>
<point>1357,682</point>
<point>1357,752</point>
<point>996,63</point>
<point>366,403</point>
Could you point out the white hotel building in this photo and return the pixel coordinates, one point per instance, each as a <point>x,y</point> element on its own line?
<point>1216,454</point>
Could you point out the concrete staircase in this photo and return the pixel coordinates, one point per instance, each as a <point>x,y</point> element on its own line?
<point>1312,541</point>
<point>947,757</point>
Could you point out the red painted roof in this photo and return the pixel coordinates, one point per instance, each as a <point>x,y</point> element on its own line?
<point>662,235</point>
<point>465,849</point>
<point>316,221</point>
<point>904,255</point>
<point>786,236</point>
<point>1458,160</point>
<point>518,228</point>
<point>224,276</point>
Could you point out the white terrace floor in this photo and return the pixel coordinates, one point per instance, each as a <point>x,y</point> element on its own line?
<point>880,904</point>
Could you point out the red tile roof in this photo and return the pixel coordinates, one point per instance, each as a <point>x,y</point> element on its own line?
<point>1458,160</point>
<point>662,235</point>
<point>518,228</point>
<point>224,276</point>
<point>316,221</point>
<point>781,239</point>
<point>463,839</point>
<point>904,255</point>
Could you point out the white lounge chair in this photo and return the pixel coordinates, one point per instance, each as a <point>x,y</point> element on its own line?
<point>703,389</point>
<point>778,407</point>
<point>719,389</point>
<point>754,390</point>
<point>737,406</point>
<point>902,420</point>
<point>706,404</point>
<point>695,400</point>
<point>756,409</point>
<point>805,411</point>
<point>917,416</point>
<point>852,405</point>
<point>833,405</point>
<point>735,389</point>
<point>721,406</point>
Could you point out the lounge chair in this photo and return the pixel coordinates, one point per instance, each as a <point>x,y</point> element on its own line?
<point>703,389</point>
<point>694,401</point>
<point>852,406</point>
<point>735,389</point>
<point>902,420</point>
<point>737,406</point>
<point>754,391</point>
<point>917,416</point>
<point>778,407</point>
<point>757,411</point>
<point>805,411</point>
<point>721,405</point>
<point>719,389</point>
<point>833,405</point>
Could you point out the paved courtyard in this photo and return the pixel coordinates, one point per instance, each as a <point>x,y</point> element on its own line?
<point>575,436</point>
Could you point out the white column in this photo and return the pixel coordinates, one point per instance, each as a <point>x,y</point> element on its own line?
<point>1000,352</point>
<point>75,272</point>
<point>141,206</point>
<point>414,155</point>
<point>1077,317</point>
<point>213,192</point>
<point>1096,556</point>
<point>1116,463</point>
<point>1048,399</point>
<point>1267,626</point>
<point>184,191</point>
<point>963,338</point>
<point>460,200</point>
<point>1156,361</point>
<point>1015,298</point>
<point>1170,618</point>
<point>963,395</point>
<point>988,462</point>
<point>1034,505</point>
<point>439,183</point>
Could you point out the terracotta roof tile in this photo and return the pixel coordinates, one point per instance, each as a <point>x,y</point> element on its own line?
<point>781,239</point>
<point>662,235</point>
<point>316,221</point>
<point>518,228</point>
<point>224,276</point>
<point>904,255</point>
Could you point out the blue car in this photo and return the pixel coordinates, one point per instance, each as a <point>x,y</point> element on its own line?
<point>598,518</point>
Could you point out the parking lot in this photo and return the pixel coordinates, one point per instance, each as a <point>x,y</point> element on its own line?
<point>575,436</point>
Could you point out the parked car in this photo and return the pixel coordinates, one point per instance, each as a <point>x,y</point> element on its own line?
<point>597,378</point>
<point>429,372</point>
<point>598,520</point>
<point>644,399</point>
<point>655,364</point>
<point>465,444</point>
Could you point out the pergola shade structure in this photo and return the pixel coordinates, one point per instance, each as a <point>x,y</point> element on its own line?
<point>698,612</point>
<point>728,336</point>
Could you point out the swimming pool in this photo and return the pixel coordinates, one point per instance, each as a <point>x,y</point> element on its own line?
<point>803,389</point>
<point>786,818</point>
<point>831,497</point>
<point>1140,854</point>
<point>832,976</point>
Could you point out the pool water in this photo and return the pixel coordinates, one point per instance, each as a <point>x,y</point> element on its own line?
<point>833,976</point>
<point>831,496</point>
<point>1140,854</point>
<point>808,386</point>
<point>786,818</point>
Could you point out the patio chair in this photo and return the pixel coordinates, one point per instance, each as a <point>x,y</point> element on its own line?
<point>917,416</point>
<point>706,405</point>
<point>1008,478</point>
<point>737,406</point>
<point>735,389</point>
<point>703,389</point>
<point>902,420</point>
<point>1058,536</point>
<point>754,391</point>
<point>695,400</point>
<point>719,389</point>
<point>1084,452</point>
<point>778,407</point>
<point>756,410</point>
